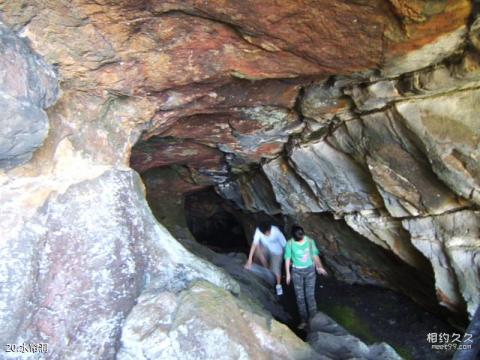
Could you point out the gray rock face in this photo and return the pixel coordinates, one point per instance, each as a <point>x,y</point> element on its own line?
<point>430,54</point>
<point>399,169</point>
<point>334,178</point>
<point>448,128</point>
<point>355,259</point>
<point>329,338</point>
<point>325,103</point>
<point>411,152</point>
<point>87,280</point>
<point>291,191</point>
<point>469,353</point>
<point>450,242</point>
<point>440,79</point>
<point>27,86</point>
<point>388,233</point>
<point>374,96</point>
<point>252,192</point>
<point>82,259</point>
<point>205,322</point>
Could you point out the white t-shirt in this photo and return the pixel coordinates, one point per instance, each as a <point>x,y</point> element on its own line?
<point>274,242</point>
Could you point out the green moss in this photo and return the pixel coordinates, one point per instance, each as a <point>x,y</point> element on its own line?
<point>348,318</point>
<point>404,352</point>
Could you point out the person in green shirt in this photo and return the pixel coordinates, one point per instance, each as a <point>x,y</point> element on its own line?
<point>302,253</point>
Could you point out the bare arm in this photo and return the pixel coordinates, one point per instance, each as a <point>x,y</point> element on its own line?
<point>252,251</point>
<point>248,265</point>
<point>287,271</point>
<point>318,265</point>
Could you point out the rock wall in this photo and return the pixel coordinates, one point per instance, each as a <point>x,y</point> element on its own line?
<point>27,86</point>
<point>362,110</point>
<point>388,168</point>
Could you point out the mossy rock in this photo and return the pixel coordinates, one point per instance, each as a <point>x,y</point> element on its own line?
<point>349,319</point>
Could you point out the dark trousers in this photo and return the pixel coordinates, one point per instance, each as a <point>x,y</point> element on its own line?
<point>304,284</point>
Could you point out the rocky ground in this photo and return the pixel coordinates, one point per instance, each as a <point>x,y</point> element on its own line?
<point>335,333</point>
<point>374,314</point>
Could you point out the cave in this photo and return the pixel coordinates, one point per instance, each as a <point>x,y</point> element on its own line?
<point>220,213</point>
<point>142,142</point>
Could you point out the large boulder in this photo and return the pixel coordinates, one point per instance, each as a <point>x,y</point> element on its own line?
<point>28,85</point>
<point>205,322</point>
<point>79,259</point>
<point>335,342</point>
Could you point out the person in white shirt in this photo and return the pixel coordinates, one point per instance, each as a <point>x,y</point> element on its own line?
<point>273,242</point>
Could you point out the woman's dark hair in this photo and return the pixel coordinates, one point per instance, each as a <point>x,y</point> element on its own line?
<point>297,233</point>
<point>264,227</point>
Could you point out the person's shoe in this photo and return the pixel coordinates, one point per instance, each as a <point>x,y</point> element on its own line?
<point>302,325</point>
<point>279,289</point>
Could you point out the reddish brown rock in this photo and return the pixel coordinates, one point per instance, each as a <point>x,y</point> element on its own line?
<point>430,32</point>
<point>251,133</point>
<point>164,152</point>
<point>178,49</point>
<point>411,11</point>
<point>172,183</point>
<point>150,46</point>
<point>234,92</point>
<point>338,36</point>
<point>422,20</point>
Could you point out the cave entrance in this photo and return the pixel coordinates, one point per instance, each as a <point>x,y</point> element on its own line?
<point>194,212</point>
<point>214,223</point>
<point>184,200</point>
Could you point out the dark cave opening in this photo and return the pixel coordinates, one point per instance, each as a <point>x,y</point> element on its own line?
<point>213,222</point>
<point>219,224</point>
